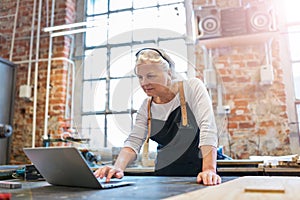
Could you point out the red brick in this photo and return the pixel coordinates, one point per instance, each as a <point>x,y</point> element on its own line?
<point>232,125</point>
<point>237,118</point>
<point>241,103</point>
<point>243,125</point>
<point>261,132</point>
<point>267,124</point>
<point>253,64</point>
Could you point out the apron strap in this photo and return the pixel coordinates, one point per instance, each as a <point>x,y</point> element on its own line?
<point>184,119</point>
<point>149,118</point>
<point>146,162</point>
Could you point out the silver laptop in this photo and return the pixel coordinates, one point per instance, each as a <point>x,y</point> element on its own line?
<point>66,166</point>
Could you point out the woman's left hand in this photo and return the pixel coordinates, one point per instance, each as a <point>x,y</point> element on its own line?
<point>208,177</point>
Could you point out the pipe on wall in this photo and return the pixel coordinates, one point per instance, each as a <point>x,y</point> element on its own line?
<point>7,16</point>
<point>191,38</point>
<point>36,72</point>
<point>31,43</point>
<point>14,31</point>
<point>45,135</point>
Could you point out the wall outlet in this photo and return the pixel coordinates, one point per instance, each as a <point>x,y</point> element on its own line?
<point>266,75</point>
<point>25,91</point>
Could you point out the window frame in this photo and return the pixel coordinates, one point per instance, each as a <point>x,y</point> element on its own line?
<point>290,27</point>
<point>190,72</point>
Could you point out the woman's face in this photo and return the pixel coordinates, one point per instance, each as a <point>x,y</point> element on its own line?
<point>153,78</point>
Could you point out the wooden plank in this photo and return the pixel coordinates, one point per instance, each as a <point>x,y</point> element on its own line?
<point>240,169</point>
<point>139,169</point>
<point>282,169</point>
<point>239,162</point>
<point>264,187</point>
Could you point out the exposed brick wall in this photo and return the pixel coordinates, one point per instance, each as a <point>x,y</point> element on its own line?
<point>23,110</point>
<point>258,121</point>
<point>257,124</point>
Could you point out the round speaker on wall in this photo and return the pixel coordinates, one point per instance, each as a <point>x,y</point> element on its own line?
<point>260,21</point>
<point>209,24</point>
<point>261,18</point>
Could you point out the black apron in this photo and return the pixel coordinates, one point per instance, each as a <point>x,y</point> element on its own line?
<point>177,152</point>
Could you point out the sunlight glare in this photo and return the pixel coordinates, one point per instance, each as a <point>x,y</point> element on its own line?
<point>292,10</point>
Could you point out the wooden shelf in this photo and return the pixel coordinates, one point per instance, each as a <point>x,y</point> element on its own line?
<point>239,162</point>
<point>239,40</point>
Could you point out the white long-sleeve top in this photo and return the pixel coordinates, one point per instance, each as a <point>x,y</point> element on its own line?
<point>199,101</point>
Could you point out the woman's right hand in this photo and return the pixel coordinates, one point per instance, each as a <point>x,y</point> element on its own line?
<point>109,172</point>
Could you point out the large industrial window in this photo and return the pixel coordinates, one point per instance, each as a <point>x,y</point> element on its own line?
<point>111,93</point>
<point>293,23</point>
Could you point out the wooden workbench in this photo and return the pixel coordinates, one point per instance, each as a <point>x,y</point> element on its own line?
<point>249,188</point>
<point>153,187</point>
<point>145,187</point>
<point>171,188</point>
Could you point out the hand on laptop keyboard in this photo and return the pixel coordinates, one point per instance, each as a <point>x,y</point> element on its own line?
<point>109,172</point>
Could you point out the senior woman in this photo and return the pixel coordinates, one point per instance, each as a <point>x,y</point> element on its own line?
<point>178,115</point>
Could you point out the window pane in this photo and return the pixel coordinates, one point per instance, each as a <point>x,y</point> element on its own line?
<point>120,26</point>
<point>93,96</point>
<point>118,127</point>
<point>96,33</point>
<point>125,93</point>
<point>95,63</point>
<point>168,15</point>
<point>121,62</point>
<point>296,73</point>
<point>144,3</point>
<point>120,94</point>
<point>88,94</point>
<point>117,4</point>
<point>100,96</point>
<point>93,129</point>
<point>145,24</point>
<point>138,97</point>
<point>96,6</point>
<point>292,10</point>
<point>294,39</point>
<point>161,2</point>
